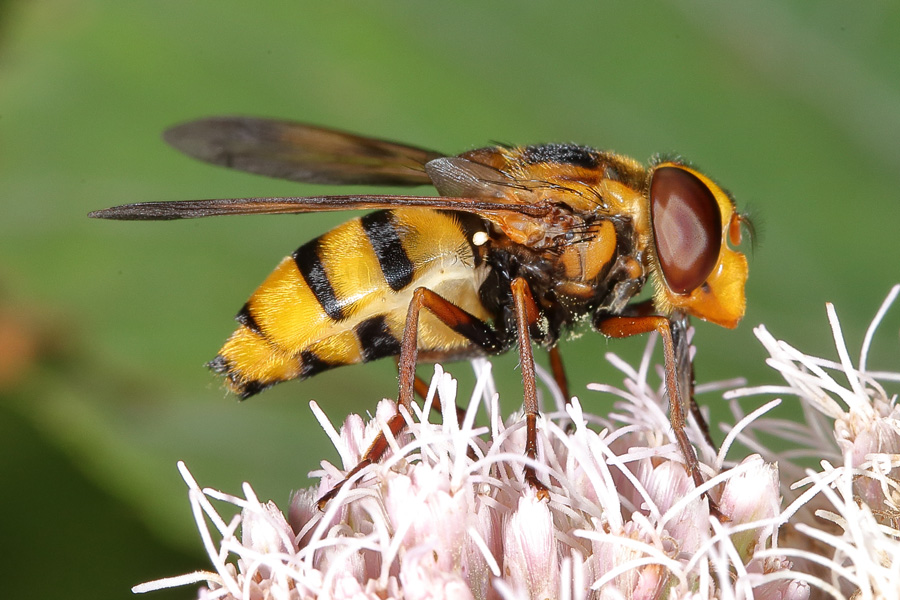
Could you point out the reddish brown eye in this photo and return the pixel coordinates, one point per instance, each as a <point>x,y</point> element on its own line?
<point>687,227</point>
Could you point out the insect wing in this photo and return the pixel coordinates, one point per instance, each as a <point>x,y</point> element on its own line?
<point>192,209</point>
<point>458,176</point>
<point>299,152</point>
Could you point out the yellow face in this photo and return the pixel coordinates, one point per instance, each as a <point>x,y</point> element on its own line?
<point>693,221</point>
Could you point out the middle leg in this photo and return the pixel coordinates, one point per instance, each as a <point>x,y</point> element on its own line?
<point>528,314</point>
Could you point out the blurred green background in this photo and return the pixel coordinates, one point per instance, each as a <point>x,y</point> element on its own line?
<point>105,326</point>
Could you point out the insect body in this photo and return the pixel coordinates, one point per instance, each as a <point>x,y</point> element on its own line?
<point>521,244</point>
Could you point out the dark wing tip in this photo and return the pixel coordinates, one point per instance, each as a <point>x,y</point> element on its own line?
<point>212,140</point>
<point>144,211</point>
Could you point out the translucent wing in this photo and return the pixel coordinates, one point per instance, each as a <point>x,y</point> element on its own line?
<point>298,152</point>
<point>313,154</point>
<point>459,176</point>
<point>191,209</point>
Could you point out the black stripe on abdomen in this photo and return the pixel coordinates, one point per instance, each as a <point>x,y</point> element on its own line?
<point>375,339</point>
<point>312,364</point>
<point>310,265</point>
<point>382,233</point>
<point>246,318</point>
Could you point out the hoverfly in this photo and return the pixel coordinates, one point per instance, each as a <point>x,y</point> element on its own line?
<point>522,244</point>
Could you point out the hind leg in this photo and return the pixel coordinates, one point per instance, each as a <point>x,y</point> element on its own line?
<point>475,330</point>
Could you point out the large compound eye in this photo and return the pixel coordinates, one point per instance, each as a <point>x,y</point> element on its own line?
<point>687,227</point>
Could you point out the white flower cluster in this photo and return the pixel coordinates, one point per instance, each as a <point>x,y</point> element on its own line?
<point>845,510</point>
<point>447,514</point>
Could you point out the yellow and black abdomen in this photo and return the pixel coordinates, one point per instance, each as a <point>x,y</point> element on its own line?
<point>342,298</point>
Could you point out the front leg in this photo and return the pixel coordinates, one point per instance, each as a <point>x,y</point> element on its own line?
<point>621,327</point>
<point>678,325</point>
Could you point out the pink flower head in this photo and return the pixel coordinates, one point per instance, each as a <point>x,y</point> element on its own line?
<point>447,513</point>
